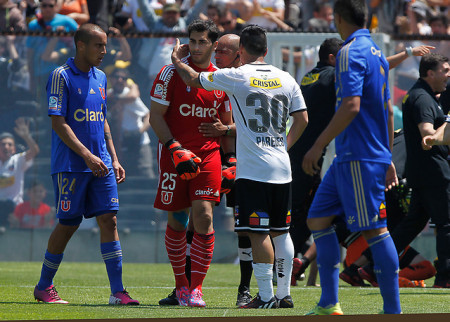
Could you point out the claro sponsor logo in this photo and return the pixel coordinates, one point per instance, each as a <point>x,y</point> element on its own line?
<point>207,192</point>
<point>198,111</point>
<point>86,115</point>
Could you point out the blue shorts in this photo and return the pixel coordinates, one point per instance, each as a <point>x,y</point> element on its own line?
<point>354,191</point>
<point>79,194</point>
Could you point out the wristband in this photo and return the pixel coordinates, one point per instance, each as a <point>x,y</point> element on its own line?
<point>409,51</point>
<point>227,131</point>
<point>169,143</point>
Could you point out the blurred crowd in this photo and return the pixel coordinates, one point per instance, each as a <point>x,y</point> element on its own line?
<point>425,17</point>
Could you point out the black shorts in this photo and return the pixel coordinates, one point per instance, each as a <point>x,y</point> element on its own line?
<point>262,207</point>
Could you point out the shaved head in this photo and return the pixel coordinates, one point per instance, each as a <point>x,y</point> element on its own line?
<point>85,33</point>
<point>230,41</point>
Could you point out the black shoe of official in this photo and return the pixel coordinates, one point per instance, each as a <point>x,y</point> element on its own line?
<point>257,303</point>
<point>171,299</point>
<point>285,303</point>
<point>244,297</point>
<point>350,275</point>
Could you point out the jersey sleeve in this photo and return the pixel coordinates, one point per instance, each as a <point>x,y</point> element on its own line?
<point>57,93</point>
<point>222,79</point>
<point>352,70</point>
<point>163,85</point>
<point>423,110</point>
<point>298,101</point>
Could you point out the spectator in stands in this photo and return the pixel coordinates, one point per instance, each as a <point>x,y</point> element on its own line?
<point>49,20</point>
<point>213,13</point>
<point>11,18</point>
<point>268,14</point>
<point>13,166</point>
<point>230,23</point>
<point>133,118</point>
<point>33,213</point>
<point>75,9</point>
<point>99,13</point>
<point>323,18</point>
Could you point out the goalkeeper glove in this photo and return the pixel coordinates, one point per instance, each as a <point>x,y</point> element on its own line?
<point>228,177</point>
<point>186,163</point>
<point>229,159</point>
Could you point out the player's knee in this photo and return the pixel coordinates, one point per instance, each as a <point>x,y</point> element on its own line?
<point>182,218</point>
<point>107,221</point>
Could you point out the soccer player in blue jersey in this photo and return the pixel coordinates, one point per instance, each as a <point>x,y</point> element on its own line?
<point>354,185</point>
<point>84,165</point>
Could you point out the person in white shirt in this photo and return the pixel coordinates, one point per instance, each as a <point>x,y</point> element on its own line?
<point>262,98</point>
<point>13,166</point>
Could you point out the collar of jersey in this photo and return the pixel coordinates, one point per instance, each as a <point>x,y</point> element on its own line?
<point>427,87</point>
<point>357,33</point>
<point>75,69</point>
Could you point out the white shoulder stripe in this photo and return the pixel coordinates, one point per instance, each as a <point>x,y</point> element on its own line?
<point>166,71</point>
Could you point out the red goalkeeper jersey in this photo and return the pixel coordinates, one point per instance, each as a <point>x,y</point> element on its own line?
<point>187,107</point>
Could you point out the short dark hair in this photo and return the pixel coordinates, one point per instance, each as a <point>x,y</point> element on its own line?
<point>430,61</point>
<point>352,11</point>
<point>440,17</point>
<point>254,40</point>
<point>202,26</point>
<point>329,46</point>
<point>84,32</point>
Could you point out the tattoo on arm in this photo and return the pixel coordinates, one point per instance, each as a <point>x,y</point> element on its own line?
<point>108,136</point>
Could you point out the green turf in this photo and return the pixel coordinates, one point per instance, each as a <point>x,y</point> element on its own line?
<point>85,286</point>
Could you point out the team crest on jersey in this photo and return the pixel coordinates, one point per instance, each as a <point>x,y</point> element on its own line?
<point>382,211</point>
<point>218,94</point>
<point>52,102</point>
<point>79,91</point>
<point>288,218</point>
<point>210,77</point>
<point>158,91</point>
<point>310,79</point>
<point>65,205</point>
<point>188,89</point>
<point>166,197</point>
<point>259,218</point>
<point>102,92</point>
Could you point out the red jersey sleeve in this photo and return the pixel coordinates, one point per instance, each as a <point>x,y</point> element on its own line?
<point>162,90</point>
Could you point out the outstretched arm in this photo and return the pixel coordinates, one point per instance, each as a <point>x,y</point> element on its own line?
<point>396,59</point>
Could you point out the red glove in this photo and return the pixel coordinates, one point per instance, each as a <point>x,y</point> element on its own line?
<point>228,177</point>
<point>186,163</point>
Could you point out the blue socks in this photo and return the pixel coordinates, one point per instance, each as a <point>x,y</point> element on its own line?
<point>49,269</point>
<point>386,269</point>
<point>328,261</point>
<point>112,256</point>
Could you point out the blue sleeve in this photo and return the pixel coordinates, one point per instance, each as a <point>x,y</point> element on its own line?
<point>352,70</point>
<point>57,93</point>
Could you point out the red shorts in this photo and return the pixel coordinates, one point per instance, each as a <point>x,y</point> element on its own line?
<point>176,194</point>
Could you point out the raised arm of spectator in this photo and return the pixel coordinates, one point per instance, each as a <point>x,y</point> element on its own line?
<point>22,129</point>
<point>50,54</point>
<point>125,50</point>
<point>148,13</point>
<point>396,59</point>
<point>11,48</point>
<point>194,12</point>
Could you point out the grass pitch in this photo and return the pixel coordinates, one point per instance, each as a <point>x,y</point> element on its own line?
<point>86,287</point>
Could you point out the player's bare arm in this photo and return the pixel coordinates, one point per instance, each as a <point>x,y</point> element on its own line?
<point>397,59</point>
<point>226,141</point>
<point>66,134</point>
<point>22,129</point>
<point>217,128</point>
<point>300,121</point>
<point>158,123</point>
<point>187,74</point>
<point>341,119</point>
<point>440,137</point>
<point>119,171</point>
